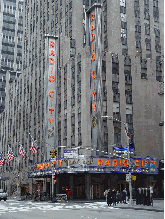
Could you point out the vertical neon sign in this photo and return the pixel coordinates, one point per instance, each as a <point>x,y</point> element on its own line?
<point>94,40</point>
<point>50,87</point>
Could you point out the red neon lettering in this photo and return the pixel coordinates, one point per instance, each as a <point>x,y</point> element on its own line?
<point>94,93</point>
<point>60,162</point>
<point>51,102</point>
<point>51,110</point>
<point>100,162</point>
<point>94,107</point>
<point>92,17</point>
<point>92,37</point>
<point>52,53</point>
<point>92,47</point>
<point>93,85</point>
<point>51,70</point>
<point>120,162</point>
<point>51,91</point>
<point>154,162</point>
<point>93,77</point>
<point>136,161</point>
<point>114,162</point>
<point>142,163</point>
<point>107,163</point>
<point>92,27</point>
<point>52,43</point>
<point>51,61</point>
<point>125,163</point>
<point>51,120</point>
<point>93,57</point>
<point>51,76</point>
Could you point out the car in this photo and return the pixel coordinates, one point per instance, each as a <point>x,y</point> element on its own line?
<point>3,195</point>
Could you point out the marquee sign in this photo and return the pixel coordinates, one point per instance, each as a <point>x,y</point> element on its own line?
<point>94,39</point>
<point>97,164</point>
<point>51,44</point>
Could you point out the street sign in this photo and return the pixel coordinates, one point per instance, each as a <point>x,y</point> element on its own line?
<point>128,177</point>
<point>53,159</point>
<point>70,153</point>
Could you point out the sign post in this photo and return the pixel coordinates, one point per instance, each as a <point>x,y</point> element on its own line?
<point>53,178</point>
<point>128,177</point>
<point>130,180</point>
<point>70,153</point>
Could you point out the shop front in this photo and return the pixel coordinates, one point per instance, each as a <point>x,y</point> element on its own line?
<point>90,177</point>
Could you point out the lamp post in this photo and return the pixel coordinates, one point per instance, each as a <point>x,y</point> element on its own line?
<point>53,170</point>
<point>128,155</point>
<point>17,184</point>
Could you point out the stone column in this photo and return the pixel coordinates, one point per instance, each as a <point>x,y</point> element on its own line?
<point>57,185</point>
<point>71,186</point>
<point>87,186</point>
<point>44,185</point>
<point>30,186</point>
<point>109,183</point>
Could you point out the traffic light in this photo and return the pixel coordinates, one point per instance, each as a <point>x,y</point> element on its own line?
<point>53,153</point>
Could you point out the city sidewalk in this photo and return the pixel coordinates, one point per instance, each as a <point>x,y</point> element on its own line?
<point>158,205</point>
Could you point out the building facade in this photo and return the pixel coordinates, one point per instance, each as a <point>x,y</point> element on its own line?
<point>11,28</point>
<point>83,60</point>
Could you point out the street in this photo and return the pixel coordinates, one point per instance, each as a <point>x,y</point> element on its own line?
<point>12,209</point>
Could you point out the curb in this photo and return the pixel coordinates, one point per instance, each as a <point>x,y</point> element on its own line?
<point>146,209</point>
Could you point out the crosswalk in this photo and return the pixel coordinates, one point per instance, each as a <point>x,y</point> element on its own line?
<point>25,206</point>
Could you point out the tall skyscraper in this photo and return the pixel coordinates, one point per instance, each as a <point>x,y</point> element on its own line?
<point>11,28</point>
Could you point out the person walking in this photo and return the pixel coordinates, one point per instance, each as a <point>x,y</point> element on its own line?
<point>69,194</point>
<point>105,194</point>
<point>118,197</point>
<point>114,197</point>
<point>124,196</point>
<point>109,198</point>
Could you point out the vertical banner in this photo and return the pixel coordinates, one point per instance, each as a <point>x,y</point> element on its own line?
<point>51,47</point>
<point>94,40</point>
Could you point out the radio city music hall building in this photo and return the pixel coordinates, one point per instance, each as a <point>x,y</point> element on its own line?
<point>83,61</point>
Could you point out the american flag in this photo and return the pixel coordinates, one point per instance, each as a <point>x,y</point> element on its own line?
<point>33,148</point>
<point>10,155</point>
<point>1,162</point>
<point>21,151</point>
<point>0,156</point>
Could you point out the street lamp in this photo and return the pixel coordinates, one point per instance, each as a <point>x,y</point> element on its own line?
<point>128,156</point>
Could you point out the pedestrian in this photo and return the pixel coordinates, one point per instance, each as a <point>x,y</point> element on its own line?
<point>69,194</point>
<point>118,197</point>
<point>114,197</point>
<point>105,194</point>
<point>109,198</point>
<point>124,196</point>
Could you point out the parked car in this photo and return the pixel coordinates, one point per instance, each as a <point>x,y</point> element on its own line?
<point>3,195</point>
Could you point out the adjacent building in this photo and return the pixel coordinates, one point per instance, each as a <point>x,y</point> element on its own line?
<point>83,60</point>
<point>11,28</point>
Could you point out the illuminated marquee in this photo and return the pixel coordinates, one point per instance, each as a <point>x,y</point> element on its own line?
<point>96,162</point>
<point>121,162</point>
